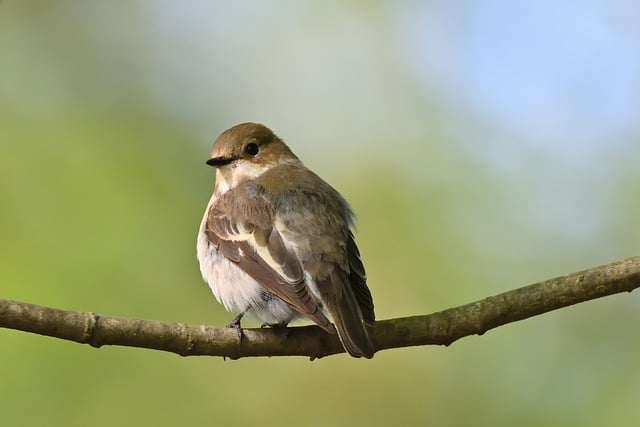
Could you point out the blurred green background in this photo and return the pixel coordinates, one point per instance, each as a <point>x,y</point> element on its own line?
<point>484,146</point>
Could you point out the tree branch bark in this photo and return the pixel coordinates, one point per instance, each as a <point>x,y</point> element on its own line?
<point>441,328</point>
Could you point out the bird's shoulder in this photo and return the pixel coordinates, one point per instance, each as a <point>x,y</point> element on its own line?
<point>295,187</point>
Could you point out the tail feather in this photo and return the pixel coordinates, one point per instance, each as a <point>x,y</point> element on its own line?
<point>347,316</point>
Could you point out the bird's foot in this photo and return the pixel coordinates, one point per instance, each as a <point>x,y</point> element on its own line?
<point>235,324</point>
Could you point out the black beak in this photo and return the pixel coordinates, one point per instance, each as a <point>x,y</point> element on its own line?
<point>219,161</point>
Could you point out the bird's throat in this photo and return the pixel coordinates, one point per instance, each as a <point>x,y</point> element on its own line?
<point>230,176</point>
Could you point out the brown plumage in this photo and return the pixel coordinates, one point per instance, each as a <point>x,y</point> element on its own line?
<point>276,243</point>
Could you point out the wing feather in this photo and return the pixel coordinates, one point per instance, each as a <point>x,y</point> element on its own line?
<point>260,252</point>
<point>358,281</point>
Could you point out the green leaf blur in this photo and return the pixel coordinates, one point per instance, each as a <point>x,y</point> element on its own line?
<point>107,113</point>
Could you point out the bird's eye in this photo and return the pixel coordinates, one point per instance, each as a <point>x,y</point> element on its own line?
<point>251,149</point>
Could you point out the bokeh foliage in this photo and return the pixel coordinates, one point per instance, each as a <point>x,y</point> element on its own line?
<point>103,183</point>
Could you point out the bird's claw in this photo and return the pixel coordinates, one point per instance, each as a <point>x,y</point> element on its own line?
<point>235,324</point>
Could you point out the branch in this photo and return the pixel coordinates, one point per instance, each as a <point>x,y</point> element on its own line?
<point>441,328</point>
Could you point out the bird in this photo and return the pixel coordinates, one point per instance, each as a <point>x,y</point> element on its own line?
<point>276,241</point>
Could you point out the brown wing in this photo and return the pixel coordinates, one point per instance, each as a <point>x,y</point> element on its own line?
<point>358,281</point>
<point>258,249</point>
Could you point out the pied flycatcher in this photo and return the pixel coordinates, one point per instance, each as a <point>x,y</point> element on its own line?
<point>275,241</point>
